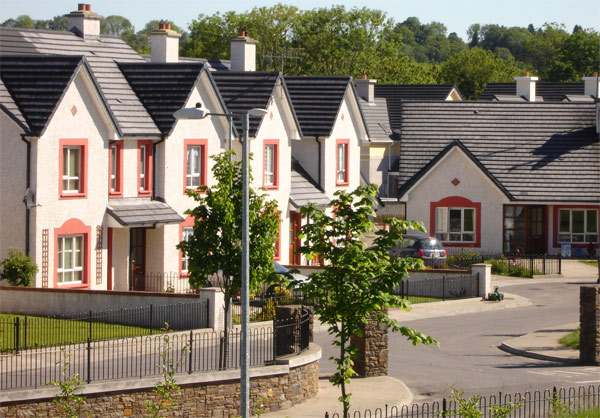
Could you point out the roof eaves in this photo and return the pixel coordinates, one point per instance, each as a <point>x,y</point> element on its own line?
<point>362,115</point>
<point>291,104</point>
<point>421,173</point>
<point>15,119</point>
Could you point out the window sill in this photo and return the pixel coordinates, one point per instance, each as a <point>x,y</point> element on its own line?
<point>345,184</point>
<point>145,193</point>
<point>67,196</point>
<point>72,286</point>
<point>271,187</point>
<point>115,195</point>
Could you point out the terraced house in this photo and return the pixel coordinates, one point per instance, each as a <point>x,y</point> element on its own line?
<point>89,138</point>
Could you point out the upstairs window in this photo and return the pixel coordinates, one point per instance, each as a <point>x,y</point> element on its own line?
<point>271,164</point>
<point>144,168</point>
<point>73,168</point>
<point>195,163</point>
<point>341,178</point>
<point>115,186</point>
<point>578,225</point>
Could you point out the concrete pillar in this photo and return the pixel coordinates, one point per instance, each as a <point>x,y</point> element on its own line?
<point>372,353</point>
<point>485,278</point>
<point>589,322</point>
<point>216,303</point>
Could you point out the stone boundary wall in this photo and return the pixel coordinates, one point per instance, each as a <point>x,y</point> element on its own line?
<point>291,381</point>
<point>589,322</point>
<point>48,302</point>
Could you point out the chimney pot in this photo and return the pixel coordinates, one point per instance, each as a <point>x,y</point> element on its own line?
<point>164,44</point>
<point>527,74</point>
<point>88,7</point>
<point>81,7</point>
<point>83,22</point>
<point>364,76</point>
<point>595,73</point>
<point>167,26</point>
<point>243,52</point>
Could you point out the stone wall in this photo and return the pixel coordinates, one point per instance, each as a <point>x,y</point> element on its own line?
<point>216,398</point>
<point>372,354</point>
<point>589,319</point>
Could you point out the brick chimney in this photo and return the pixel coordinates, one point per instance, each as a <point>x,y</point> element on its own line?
<point>592,86</point>
<point>164,44</point>
<point>526,87</point>
<point>365,88</point>
<point>83,22</point>
<point>243,52</point>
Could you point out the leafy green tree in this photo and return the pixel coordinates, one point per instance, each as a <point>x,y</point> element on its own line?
<point>356,282</point>
<point>56,23</point>
<point>215,248</point>
<point>543,48</point>
<point>115,25</point>
<point>579,56</point>
<point>428,42</point>
<point>18,269</point>
<point>23,21</point>
<point>472,69</point>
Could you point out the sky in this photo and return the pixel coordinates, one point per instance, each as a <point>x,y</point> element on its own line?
<point>456,15</point>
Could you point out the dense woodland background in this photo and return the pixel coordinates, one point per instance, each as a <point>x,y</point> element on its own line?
<point>338,41</point>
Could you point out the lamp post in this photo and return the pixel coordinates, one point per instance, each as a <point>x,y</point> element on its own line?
<point>198,113</point>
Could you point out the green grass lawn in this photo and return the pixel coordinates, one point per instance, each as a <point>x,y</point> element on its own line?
<point>41,332</point>
<point>571,340</point>
<point>593,263</point>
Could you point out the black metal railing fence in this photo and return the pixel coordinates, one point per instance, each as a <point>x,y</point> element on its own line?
<point>537,404</point>
<point>439,286</point>
<point>530,264</point>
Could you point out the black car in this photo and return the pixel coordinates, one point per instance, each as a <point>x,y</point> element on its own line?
<point>428,249</point>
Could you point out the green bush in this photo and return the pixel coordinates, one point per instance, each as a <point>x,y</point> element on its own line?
<point>18,269</point>
<point>464,260</point>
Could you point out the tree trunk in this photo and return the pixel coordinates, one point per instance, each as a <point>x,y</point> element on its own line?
<point>224,340</point>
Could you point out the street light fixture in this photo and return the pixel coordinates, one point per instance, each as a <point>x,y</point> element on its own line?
<point>199,113</point>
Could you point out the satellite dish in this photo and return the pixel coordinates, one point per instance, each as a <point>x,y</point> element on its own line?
<point>29,198</point>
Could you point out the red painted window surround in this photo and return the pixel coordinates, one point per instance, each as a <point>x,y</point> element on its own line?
<point>118,192</point>
<point>82,143</point>
<point>203,160</point>
<point>74,226</point>
<point>555,221</point>
<point>457,202</point>
<point>275,143</point>
<point>345,182</point>
<point>147,190</point>
<point>188,222</point>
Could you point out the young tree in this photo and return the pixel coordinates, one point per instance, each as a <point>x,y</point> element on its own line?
<point>215,248</point>
<point>356,282</point>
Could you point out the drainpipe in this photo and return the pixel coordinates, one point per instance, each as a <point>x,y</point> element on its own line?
<point>154,144</point>
<point>319,171</point>
<point>27,184</point>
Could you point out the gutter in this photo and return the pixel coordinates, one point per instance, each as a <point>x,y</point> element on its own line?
<point>319,165</point>
<point>27,185</point>
<point>154,144</point>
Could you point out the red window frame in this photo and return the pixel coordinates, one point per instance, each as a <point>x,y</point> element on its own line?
<point>82,143</point>
<point>187,223</point>
<point>555,224</point>
<point>74,226</point>
<point>202,143</point>
<point>275,144</point>
<point>147,189</point>
<point>118,192</point>
<point>345,142</point>
<point>461,202</point>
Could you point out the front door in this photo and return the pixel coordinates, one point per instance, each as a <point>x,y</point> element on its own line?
<point>137,251</point>
<point>536,234</point>
<point>525,229</point>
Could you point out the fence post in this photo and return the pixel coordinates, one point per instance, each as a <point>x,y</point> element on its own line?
<point>150,324</point>
<point>444,287</point>
<point>560,263</point>
<point>90,325</point>
<point>89,360</point>
<point>444,407</point>
<point>532,261</point>
<point>206,322</point>
<point>191,351</point>
<point>25,331</point>
<point>17,334</point>
<point>484,278</point>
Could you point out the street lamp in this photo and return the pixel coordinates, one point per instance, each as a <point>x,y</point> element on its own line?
<point>199,113</point>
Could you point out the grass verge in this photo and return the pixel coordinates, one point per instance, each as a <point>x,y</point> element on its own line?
<point>571,340</point>
<point>593,263</point>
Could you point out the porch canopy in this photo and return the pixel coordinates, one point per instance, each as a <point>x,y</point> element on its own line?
<point>141,213</point>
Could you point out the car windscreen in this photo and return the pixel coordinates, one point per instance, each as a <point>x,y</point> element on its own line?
<point>431,244</point>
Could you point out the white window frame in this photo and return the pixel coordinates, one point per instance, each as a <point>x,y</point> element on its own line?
<point>186,233</point>
<point>143,168</point>
<point>61,253</point>
<point>342,163</point>
<point>269,165</point>
<point>114,162</point>
<point>193,177</point>
<point>589,230</point>
<point>442,225</point>
<point>67,176</point>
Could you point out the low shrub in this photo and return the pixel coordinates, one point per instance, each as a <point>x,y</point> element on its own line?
<point>18,269</point>
<point>464,260</point>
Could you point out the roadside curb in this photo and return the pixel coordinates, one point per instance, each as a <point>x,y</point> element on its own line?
<point>538,356</point>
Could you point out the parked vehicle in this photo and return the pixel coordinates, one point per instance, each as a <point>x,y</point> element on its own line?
<point>428,249</point>
<point>287,278</point>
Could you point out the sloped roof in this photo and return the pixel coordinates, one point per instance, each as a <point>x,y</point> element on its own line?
<point>241,91</point>
<point>304,190</point>
<point>377,118</point>
<point>414,91</point>
<point>162,88</point>
<point>549,91</point>
<point>102,55</point>
<point>142,212</point>
<point>37,83</point>
<point>535,151</point>
<point>10,107</point>
<point>317,101</point>
<point>211,64</point>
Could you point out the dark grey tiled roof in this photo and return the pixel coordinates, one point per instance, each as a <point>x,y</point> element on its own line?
<point>10,107</point>
<point>162,88</point>
<point>138,212</point>
<point>534,151</point>
<point>242,91</point>
<point>414,91</point>
<point>551,92</point>
<point>213,64</point>
<point>317,101</point>
<point>304,190</point>
<point>36,83</point>
<point>377,118</point>
<point>101,54</point>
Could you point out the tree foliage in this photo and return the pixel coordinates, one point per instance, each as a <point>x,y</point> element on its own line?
<point>356,282</point>
<point>18,269</point>
<point>215,248</point>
